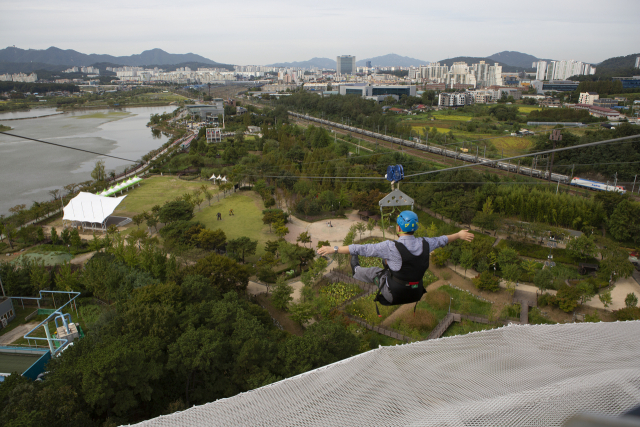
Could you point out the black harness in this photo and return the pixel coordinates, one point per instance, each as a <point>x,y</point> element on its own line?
<point>406,285</point>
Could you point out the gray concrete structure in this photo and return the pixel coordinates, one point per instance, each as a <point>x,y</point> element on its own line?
<point>7,312</point>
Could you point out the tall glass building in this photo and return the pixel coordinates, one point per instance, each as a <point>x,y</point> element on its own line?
<point>346,64</point>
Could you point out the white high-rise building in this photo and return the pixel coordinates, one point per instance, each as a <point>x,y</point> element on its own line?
<point>562,70</point>
<point>638,62</point>
<point>345,64</point>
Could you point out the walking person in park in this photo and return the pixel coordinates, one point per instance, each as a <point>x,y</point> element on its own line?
<point>219,216</point>
<point>231,212</point>
<point>405,261</point>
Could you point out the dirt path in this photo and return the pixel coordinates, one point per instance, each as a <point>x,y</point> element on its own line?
<point>17,333</point>
<point>81,259</point>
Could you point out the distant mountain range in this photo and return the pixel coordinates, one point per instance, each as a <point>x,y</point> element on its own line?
<point>515,59</point>
<point>69,57</point>
<point>506,68</point>
<point>392,60</point>
<point>313,62</point>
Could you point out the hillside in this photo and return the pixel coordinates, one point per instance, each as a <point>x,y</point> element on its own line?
<point>473,60</point>
<point>313,62</point>
<point>619,66</point>
<point>391,60</point>
<point>515,59</point>
<point>69,57</point>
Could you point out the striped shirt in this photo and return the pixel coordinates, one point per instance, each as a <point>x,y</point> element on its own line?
<point>387,249</point>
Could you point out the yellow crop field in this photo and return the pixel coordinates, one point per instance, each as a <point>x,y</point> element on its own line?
<point>527,108</point>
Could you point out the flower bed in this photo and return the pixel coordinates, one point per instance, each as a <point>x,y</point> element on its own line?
<point>339,292</point>
<point>365,309</point>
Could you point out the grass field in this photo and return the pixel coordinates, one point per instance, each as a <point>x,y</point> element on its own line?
<point>512,145</point>
<point>112,115</point>
<point>247,221</point>
<point>157,191</point>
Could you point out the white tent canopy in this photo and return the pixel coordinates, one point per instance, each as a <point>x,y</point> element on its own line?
<point>87,207</point>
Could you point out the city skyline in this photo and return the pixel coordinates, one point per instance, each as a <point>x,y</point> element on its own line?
<point>260,33</point>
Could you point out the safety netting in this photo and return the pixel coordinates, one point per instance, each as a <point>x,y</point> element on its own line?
<point>525,375</point>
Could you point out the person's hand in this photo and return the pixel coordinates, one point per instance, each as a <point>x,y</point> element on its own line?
<point>465,235</point>
<point>326,250</point>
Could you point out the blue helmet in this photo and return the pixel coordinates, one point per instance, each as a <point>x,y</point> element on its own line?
<point>408,221</point>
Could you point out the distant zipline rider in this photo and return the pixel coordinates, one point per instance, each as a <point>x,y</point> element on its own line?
<point>405,261</point>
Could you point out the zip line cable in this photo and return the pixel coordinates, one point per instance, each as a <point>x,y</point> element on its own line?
<point>490,162</point>
<point>70,148</point>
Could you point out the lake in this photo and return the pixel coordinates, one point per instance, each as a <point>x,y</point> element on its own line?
<point>29,169</point>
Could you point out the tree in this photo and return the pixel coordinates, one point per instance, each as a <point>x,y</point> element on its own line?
<point>281,296</point>
<point>211,239</point>
<point>66,279</point>
<point>586,291</point>
<point>54,236</point>
<point>487,282</point>
<point>511,273</point>
<point>175,211</point>
<point>304,237</point>
<point>543,279</point>
<point>507,256</point>
<point>583,247</point>
<point>360,228</point>
<point>605,298</point>
<point>74,238</point>
<point>301,313</point>
<point>281,230</point>
<point>152,221</point>
<point>138,219</point>
<point>440,257</point>
<point>208,195</point>
<point>242,246</point>
<point>295,254</point>
<point>631,300</point>
<point>98,173</point>
<point>567,298</point>
<point>371,224</point>
<point>623,224</point>
<point>40,234</point>
<point>66,236</point>
<point>223,273</point>
<point>466,259</point>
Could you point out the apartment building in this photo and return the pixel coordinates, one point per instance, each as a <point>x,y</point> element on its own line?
<point>588,98</point>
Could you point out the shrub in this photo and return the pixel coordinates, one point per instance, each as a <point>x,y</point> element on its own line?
<point>546,299</point>
<point>437,299</point>
<point>628,313</point>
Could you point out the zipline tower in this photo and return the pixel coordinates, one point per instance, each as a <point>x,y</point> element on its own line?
<point>396,199</point>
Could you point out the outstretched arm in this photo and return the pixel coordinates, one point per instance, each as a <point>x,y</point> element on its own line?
<point>328,250</point>
<point>462,234</point>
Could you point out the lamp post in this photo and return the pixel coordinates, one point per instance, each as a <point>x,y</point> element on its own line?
<point>450,299</point>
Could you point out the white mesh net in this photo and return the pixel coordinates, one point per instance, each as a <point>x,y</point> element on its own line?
<point>513,376</point>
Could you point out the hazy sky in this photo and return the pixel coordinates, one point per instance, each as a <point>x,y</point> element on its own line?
<point>261,32</point>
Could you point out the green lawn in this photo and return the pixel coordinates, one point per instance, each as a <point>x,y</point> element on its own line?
<point>452,117</point>
<point>247,221</point>
<point>157,191</point>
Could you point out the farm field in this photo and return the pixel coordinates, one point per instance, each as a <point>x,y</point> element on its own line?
<point>167,97</point>
<point>527,108</point>
<point>512,145</point>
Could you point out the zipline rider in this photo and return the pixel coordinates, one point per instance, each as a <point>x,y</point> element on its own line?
<point>405,260</point>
